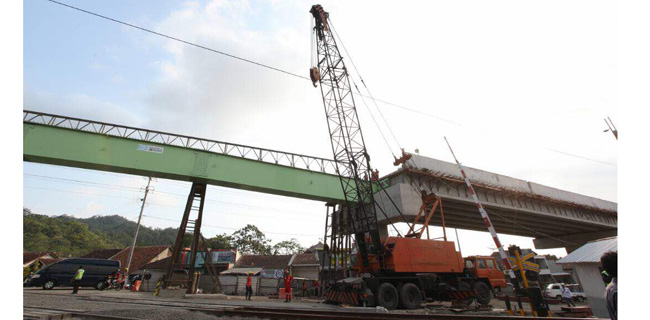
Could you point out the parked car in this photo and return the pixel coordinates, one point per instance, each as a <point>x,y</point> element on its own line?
<point>60,274</point>
<point>554,290</point>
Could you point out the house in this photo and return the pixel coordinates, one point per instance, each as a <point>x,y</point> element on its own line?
<point>585,262</point>
<point>42,258</point>
<point>305,265</point>
<point>270,264</point>
<point>222,259</point>
<point>141,255</point>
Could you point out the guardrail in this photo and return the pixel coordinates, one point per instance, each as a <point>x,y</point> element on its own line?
<point>230,149</point>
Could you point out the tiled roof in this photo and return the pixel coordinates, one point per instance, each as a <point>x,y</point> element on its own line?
<point>161,264</point>
<point>318,246</point>
<point>47,262</point>
<point>264,261</point>
<point>31,256</point>
<point>591,252</point>
<point>102,253</point>
<point>305,259</point>
<point>141,256</point>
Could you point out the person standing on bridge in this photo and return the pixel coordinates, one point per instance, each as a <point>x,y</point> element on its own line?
<point>288,280</point>
<point>77,279</point>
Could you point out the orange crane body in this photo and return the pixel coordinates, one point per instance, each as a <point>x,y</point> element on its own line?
<point>414,255</point>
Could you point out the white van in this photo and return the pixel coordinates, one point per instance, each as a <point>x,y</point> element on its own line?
<point>554,290</point>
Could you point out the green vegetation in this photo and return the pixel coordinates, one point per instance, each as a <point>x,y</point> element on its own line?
<point>69,236</point>
<point>66,237</point>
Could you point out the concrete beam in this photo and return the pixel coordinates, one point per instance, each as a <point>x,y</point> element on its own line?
<point>571,241</point>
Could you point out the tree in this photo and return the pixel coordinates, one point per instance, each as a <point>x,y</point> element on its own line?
<point>288,247</point>
<point>250,239</point>
<point>221,241</point>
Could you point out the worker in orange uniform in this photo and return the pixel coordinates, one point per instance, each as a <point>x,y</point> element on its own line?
<point>316,287</point>
<point>288,279</point>
<point>249,286</point>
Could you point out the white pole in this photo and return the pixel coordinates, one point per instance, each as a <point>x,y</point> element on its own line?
<point>137,228</point>
<point>485,217</point>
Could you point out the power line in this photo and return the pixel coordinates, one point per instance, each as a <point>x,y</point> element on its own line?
<point>291,73</point>
<point>110,186</point>
<point>229,228</point>
<point>77,192</point>
<point>179,40</point>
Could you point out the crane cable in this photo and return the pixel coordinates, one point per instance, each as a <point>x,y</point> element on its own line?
<point>399,145</point>
<point>301,77</point>
<point>365,86</point>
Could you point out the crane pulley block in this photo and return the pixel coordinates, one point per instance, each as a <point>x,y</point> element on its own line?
<point>405,157</point>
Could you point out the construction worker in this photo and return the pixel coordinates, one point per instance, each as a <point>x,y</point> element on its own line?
<point>249,286</point>
<point>375,175</point>
<point>288,280</point>
<point>316,287</point>
<point>77,279</point>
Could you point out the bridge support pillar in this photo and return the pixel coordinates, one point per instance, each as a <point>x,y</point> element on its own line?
<point>571,241</point>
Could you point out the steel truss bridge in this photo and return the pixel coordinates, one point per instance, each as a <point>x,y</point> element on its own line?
<point>73,142</point>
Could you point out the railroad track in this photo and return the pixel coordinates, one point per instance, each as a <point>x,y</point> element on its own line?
<point>33,313</point>
<point>274,313</point>
<point>291,312</point>
<point>280,312</point>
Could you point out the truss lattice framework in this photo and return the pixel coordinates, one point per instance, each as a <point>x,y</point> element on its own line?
<point>348,146</point>
<point>230,149</point>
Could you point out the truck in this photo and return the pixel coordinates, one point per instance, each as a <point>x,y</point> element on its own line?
<point>416,270</point>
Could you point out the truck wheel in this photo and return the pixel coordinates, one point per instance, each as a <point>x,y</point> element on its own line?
<point>387,296</point>
<point>483,292</point>
<point>410,296</point>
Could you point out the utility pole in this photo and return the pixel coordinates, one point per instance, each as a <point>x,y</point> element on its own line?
<point>611,127</point>
<point>137,228</point>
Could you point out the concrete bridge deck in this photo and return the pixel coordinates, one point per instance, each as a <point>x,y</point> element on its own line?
<point>556,218</point>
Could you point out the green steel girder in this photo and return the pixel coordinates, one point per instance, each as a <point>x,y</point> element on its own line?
<point>73,148</point>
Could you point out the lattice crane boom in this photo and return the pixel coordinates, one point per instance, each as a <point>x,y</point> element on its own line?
<point>349,149</point>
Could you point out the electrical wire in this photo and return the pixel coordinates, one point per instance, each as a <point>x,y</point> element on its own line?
<point>77,192</point>
<point>229,228</point>
<point>179,40</point>
<point>365,86</point>
<point>87,183</point>
<point>296,75</point>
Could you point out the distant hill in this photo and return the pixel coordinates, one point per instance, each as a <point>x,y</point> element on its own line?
<point>65,237</point>
<point>121,230</point>
<point>70,236</point>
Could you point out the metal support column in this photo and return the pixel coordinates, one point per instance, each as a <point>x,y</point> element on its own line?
<point>193,209</point>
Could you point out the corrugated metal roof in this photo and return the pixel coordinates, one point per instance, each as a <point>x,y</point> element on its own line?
<point>241,271</point>
<point>591,252</point>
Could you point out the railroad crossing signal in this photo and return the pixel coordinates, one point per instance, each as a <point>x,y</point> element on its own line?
<point>530,266</point>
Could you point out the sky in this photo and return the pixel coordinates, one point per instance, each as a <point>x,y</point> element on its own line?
<point>519,88</point>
